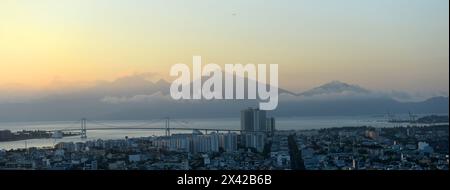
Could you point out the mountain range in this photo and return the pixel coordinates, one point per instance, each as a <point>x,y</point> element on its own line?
<point>136,98</point>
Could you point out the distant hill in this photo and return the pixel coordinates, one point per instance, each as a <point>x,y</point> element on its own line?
<point>333,88</point>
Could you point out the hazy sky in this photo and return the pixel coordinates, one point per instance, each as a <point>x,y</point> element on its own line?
<point>382,44</point>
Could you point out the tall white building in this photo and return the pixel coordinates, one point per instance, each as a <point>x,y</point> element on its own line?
<point>205,143</point>
<point>229,142</point>
<point>180,143</point>
<point>255,140</point>
<point>198,142</point>
<point>253,121</point>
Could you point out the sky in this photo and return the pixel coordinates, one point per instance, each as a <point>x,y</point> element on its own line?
<point>383,45</point>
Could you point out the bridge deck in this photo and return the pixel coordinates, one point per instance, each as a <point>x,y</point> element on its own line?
<point>157,128</point>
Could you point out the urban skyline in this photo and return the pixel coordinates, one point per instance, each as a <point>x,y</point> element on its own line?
<point>416,144</point>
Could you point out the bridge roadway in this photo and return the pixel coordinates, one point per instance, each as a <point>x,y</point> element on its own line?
<point>158,128</point>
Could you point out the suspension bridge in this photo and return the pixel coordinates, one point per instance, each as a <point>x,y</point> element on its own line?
<point>165,124</point>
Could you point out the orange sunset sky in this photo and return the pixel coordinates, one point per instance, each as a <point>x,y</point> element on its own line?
<point>383,44</point>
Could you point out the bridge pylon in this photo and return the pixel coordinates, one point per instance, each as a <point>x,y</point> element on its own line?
<point>83,128</point>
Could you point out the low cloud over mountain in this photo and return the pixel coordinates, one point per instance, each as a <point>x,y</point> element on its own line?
<point>135,97</point>
<point>335,87</point>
